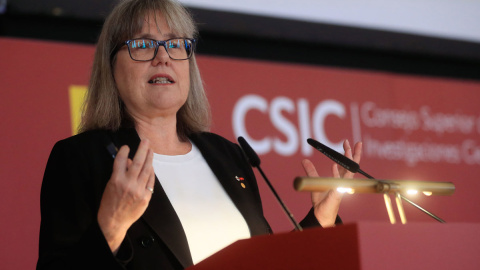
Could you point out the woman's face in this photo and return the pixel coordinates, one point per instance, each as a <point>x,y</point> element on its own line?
<point>156,88</point>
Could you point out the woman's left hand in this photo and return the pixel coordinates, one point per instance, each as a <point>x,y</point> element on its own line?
<point>326,204</point>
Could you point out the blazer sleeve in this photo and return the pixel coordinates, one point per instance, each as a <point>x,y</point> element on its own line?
<point>311,221</point>
<point>70,237</point>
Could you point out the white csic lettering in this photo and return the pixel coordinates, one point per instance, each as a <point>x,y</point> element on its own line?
<point>246,103</point>
<point>289,147</point>
<point>291,136</point>
<point>295,137</point>
<point>321,112</point>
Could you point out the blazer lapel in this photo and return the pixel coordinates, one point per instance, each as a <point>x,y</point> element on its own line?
<point>160,214</point>
<point>232,176</point>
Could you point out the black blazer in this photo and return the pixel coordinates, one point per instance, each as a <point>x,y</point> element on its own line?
<point>75,177</point>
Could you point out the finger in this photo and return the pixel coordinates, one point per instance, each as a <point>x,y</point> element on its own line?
<point>151,182</point>
<point>120,164</point>
<point>309,168</point>
<point>348,149</point>
<point>147,169</point>
<point>335,171</point>
<point>357,155</point>
<point>139,158</point>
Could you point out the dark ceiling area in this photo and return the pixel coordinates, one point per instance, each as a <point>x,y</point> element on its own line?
<point>258,37</point>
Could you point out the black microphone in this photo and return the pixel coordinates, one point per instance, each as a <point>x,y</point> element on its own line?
<point>352,166</point>
<point>112,150</point>
<point>337,157</point>
<point>254,160</point>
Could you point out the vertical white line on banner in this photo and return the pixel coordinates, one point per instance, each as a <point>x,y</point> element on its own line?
<point>304,126</point>
<point>356,128</point>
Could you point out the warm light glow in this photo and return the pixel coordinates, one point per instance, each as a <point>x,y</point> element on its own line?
<point>345,190</point>
<point>427,193</point>
<point>412,191</point>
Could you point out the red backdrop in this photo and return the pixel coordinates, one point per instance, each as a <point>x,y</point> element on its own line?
<point>413,127</point>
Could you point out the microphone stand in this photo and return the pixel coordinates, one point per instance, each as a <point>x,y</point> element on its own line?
<point>408,201</point>
<point>254,161</point>
<point>289,214</point>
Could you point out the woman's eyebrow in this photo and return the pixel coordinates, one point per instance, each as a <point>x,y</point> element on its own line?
<point>144,35</point>
<point>150,36</point>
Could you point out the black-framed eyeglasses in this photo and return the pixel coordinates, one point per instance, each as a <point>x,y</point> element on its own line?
<point>145,49</point>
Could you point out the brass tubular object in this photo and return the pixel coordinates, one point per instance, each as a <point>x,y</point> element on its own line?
<point>325,184</point>
<point>401,211</point>
<point>373,185</point>
<point>436,188</point>
<point>388,204</point>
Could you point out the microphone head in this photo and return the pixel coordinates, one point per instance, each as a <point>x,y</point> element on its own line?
<point>252,157</point>
<point>335,156</point>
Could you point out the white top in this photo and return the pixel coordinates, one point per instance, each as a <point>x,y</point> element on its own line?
<point>210,219</point>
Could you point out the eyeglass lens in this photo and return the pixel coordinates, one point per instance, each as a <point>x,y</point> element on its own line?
<point>144,49</point>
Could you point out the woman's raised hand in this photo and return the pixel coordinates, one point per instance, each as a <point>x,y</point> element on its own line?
<point>326,204</point>
<point>127,193</point>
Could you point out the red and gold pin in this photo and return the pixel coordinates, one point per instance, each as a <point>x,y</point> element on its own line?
<point>240,179</point>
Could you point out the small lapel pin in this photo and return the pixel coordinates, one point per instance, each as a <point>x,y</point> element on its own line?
<point>240,179</point>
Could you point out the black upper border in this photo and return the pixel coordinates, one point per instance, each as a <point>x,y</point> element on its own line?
<point>266,38</point>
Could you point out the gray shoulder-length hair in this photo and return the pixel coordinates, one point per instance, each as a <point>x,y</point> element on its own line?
<point>103,108</point>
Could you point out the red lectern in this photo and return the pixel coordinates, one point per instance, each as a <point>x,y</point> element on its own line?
<point>357,246</point>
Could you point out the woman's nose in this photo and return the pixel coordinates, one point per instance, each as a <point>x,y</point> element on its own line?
<point>161,57</point>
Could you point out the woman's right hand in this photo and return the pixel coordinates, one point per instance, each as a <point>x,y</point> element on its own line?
<point>127,193</point>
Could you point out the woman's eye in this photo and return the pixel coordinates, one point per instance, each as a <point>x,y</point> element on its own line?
<point>144,44</point>
<point>174,44</point>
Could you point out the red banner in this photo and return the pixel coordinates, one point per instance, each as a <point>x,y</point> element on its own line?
<point>413,128</point>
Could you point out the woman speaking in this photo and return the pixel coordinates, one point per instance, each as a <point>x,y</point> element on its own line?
<point>145,185</point>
